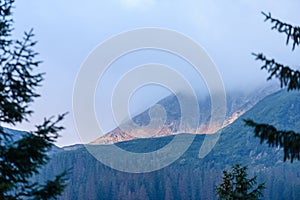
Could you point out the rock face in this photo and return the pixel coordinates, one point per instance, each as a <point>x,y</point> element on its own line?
<point>237,104</point>
<point>190,177</point>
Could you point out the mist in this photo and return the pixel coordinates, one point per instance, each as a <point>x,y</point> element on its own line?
<point>229,31</point>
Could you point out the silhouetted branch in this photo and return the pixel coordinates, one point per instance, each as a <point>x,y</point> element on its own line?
<point>287,76</point>
<point>288,140</point>
<point>292,32</point>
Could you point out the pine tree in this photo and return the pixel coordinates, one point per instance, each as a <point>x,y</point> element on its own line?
<point>236,185</point>
<point>289,78</point>
<point>21,159</point>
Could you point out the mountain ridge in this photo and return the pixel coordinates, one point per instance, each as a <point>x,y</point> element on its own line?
<point>191,177</point>
<point>237,104</point>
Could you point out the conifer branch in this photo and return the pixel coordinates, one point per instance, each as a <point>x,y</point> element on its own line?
<point>287,76</point>
<point>288,140</point>
<point>292,32</point>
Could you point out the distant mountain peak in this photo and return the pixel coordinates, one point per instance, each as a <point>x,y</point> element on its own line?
<point>237,104</point>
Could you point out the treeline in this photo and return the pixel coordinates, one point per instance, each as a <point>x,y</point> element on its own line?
<point>188,178</point>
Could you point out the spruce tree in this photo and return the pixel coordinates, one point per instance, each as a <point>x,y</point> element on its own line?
<point>290,79</point>
<point>21,160</point>
<point>236,185</point>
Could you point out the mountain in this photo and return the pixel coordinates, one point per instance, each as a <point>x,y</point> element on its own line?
<point>237,103</point>
<point>18,134</point>
<point>191,177</point>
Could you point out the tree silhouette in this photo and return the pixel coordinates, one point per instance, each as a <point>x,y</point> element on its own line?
<point>288,77</point>
<point>236,185</point>
<point>21,159</point>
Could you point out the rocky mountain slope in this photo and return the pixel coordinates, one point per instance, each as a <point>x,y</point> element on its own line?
<point>237,104</point>
<point>191,177</point>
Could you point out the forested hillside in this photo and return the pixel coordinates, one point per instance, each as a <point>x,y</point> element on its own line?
<point>191,177</point>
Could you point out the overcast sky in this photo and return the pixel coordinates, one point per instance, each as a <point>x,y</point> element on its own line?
<point>68,30</point>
